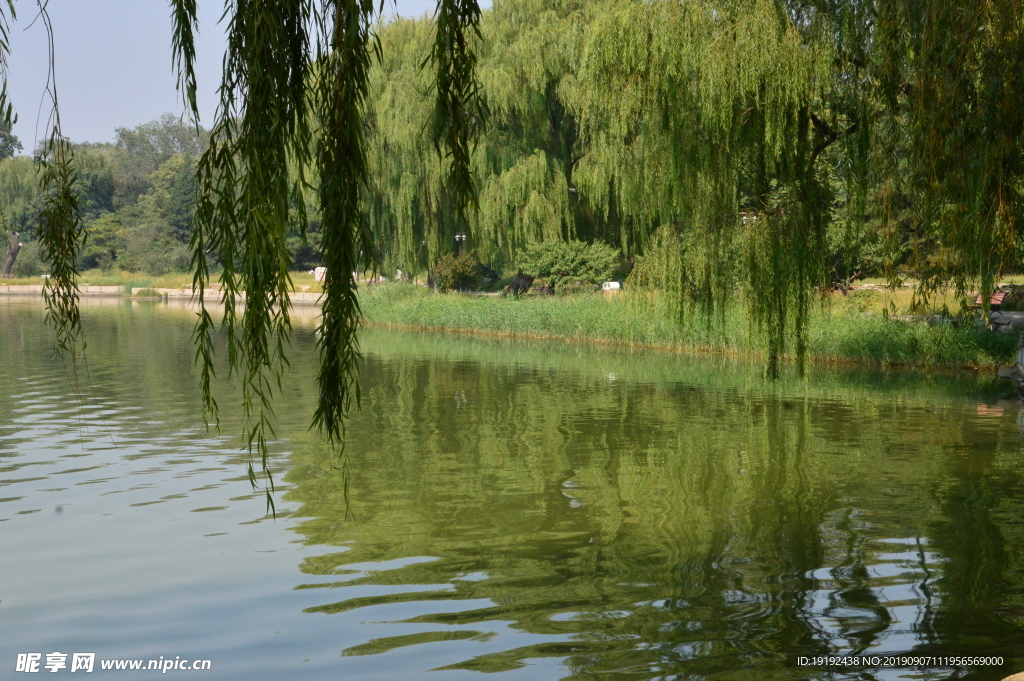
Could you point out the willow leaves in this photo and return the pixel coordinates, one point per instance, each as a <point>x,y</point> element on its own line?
<point>290,118</point>
<point>749,129</point>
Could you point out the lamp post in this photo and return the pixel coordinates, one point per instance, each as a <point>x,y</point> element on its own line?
<point>459,238</point>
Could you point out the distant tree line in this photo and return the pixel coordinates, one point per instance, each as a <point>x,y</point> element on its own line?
<point>139,196</point>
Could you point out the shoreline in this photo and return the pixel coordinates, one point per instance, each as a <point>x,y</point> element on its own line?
<point>88,291</point>
<point>753,356</point>
<point>836,340</point>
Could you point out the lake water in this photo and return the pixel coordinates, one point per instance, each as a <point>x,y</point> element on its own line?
<point>532,510</point>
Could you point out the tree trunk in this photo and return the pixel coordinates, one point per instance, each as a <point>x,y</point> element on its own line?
<point>12,255</point>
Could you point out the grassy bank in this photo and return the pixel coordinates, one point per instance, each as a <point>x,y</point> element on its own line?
<point>844,330</point>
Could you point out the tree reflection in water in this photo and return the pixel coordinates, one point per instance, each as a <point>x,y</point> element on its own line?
<point>600,513</point>
<point>693,524</point>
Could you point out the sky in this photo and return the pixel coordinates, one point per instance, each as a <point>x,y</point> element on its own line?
<point>113,64</point>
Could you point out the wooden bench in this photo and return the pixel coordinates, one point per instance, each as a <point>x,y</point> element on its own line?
<point>994,303</point>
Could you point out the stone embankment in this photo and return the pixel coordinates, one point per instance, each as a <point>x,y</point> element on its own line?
<point>37,290</point>
<point>211,295</point>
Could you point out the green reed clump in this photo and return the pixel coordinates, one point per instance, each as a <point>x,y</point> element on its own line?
<point>872,338</point>
<point>581,317</point>
<point>648,319</point>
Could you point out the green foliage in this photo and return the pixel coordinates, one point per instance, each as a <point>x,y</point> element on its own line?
<point>460,273</point>
<point>575,262</point>
<point>292,68</point>
<point>685,265</point>
<point>458,109</point>
<point>840,335</point>
<point>9,142</point>
<point>29,262</point>
<point>181,202</point>
<point>137,199</point>
<point>61,235</point>
<point>519,164</point>
<point>613,119</point>
<point>340,155</point>
<point>19,197</point>
<point>141,150</point>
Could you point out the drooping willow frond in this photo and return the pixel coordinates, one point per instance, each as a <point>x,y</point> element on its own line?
<point>459,108</point>
<point>245,190</point>
<point>291,108</point>
<point>340,88</point>
<point>7,115</point>
<point>61,236</point>
<point>61,231</point>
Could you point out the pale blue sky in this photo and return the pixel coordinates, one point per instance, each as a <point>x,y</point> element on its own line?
<point>114,64</point>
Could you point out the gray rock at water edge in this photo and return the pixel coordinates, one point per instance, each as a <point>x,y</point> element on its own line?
<point>1013,319</point>
<point>1013,373</point>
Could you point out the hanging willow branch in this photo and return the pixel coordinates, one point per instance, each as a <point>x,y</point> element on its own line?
<point>459,109</point>
<point>340,89</point>
<point>295,80</point>
<point>61,232</point>
<point>7,115</point>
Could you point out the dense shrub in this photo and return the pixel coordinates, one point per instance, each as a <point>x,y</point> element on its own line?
<point>28,263</point>
<point>139,254</point>
<point>573,265</point>
<point>457,274</point>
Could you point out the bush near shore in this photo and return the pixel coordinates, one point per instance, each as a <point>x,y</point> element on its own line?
<point>842,330</point>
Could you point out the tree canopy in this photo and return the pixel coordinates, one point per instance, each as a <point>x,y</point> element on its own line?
<point>769,146</point>
<point>138,196</point>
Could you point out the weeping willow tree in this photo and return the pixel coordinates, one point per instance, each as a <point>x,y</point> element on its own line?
<point>727,136</point>
<point>524,49</point>
<point>767,109</point>
<point>730,132</point>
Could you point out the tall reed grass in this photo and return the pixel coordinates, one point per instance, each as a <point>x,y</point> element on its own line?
<point>838,333</point>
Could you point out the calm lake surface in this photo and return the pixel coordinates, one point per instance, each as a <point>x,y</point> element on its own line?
<point>533,510</point>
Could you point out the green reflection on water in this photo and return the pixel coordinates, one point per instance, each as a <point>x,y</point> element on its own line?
<point>671,516</point>
<point>633,515</point>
